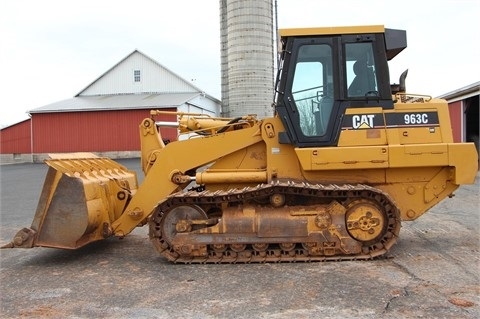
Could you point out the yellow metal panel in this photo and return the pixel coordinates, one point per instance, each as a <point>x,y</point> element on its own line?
<point>364,110</point>
<point>410,198</point>
<point>410,134</point>
<point>417,189</point>
<point>330,158</point>
<point>393,136</point>
<point>419,135</point>
<point>331,30</point>
<point>281,158</point>
<point>232,176</point>
<point>339,176</point>
<point>365,134</point>
<point>437,185</point>
<point>463,156</point>
<point>418,155</point>
<point>305,157</point>
<point>406,175</point>
<point>362,137</point>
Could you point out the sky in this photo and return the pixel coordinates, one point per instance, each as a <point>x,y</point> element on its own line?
<point>50,50</point>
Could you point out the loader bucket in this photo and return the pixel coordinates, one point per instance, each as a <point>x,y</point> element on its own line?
<point>82,195</point>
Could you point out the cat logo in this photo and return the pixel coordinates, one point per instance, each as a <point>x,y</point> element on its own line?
<point>363,121</point>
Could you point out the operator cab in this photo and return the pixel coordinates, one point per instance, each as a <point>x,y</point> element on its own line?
<point>324,71</point>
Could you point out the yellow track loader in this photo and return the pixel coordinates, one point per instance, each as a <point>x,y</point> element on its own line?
<point>344,159</point>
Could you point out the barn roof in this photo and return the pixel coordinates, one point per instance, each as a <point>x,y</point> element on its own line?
<point>462,93</point>
<point>164,72</point>
<point>117,102</point>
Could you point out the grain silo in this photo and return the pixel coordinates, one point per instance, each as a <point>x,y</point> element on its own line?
<point>247,57</point>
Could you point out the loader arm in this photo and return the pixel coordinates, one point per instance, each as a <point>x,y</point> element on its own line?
<point>174,160</point>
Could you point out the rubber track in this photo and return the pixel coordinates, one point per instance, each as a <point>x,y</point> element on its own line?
<point>333,192</point>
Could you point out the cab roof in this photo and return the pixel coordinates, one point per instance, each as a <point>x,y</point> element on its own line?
<point>395,40</point>
<point>331,30</point>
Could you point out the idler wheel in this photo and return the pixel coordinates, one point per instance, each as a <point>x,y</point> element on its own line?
<point>178,219</point>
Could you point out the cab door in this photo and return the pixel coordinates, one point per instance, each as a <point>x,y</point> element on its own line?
<point>310,92</point>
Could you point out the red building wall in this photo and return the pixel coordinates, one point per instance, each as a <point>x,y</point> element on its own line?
<point>456,114</point>
<point>100,131</point>
<point>15,139</point>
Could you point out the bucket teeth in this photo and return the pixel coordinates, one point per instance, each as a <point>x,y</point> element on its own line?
<point>23,239</point>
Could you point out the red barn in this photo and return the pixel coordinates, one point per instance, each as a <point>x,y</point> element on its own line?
<point>104,117</point>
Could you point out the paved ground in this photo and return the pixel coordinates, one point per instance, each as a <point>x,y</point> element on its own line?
<point>434,273</point>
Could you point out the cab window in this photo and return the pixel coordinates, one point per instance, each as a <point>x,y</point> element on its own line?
<point>312,88</point>
<point>360,70</point>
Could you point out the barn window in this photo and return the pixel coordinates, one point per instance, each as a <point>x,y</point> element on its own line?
<point>136,75</point>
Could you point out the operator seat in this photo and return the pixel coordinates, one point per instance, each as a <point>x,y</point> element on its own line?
<point>324,110</point>
<point>364,80</point>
